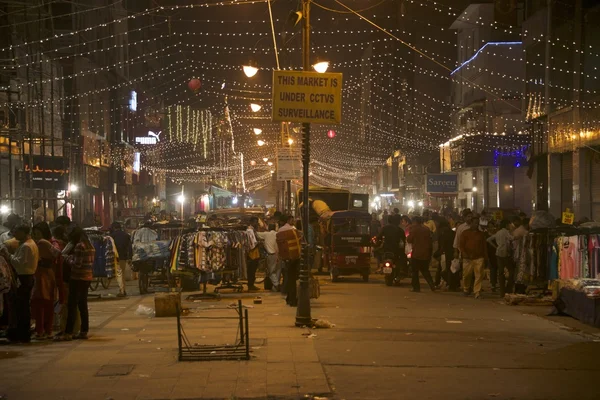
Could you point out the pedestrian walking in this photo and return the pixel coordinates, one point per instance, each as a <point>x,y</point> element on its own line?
<point>490,229</point>
<point>48,281</point>
<point>286,223</point>
<point>253,256</point>
<point>501,241</point>
<point>445,253</point>
<point>123,243</point>
<point>473,248</point>
<point>79,258</point>
<point>270,244</point>
<point>422,250</point>
<point>25,262</point>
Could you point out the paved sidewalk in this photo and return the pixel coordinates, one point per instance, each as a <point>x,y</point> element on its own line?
<point>284,361</point>
<point>388,343</point>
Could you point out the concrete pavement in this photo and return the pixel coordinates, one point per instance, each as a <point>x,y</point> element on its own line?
<point>388,343</point>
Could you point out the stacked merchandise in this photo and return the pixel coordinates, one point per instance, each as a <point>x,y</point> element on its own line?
<point>156,250</point>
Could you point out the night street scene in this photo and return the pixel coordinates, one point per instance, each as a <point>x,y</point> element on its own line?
<point>299,200</point>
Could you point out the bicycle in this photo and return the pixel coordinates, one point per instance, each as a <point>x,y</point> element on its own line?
<point>97,281</point>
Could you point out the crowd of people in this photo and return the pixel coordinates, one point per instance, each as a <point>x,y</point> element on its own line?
<point>460,247</point>
<point>44,272</point>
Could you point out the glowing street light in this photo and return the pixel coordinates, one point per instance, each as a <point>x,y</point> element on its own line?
<point>474,188</point>
<point>265,159</point>
<point>73,188</point>
<point>4,209</point>
<point>290,141</point>
<point>270,164</point>
<point>257,131</point>
<point>181,199</point>
<point>321,66</point>
<point>250,70</point>
<point>253,163</point>
<point>411,203</point>
<point>261,142</point>
<point>255,107</point>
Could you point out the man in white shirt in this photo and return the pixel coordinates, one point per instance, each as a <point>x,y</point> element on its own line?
<point>501,240</point>
<point>270,244</point>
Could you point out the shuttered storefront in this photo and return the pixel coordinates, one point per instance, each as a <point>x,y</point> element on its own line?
<point>595,188</point>
<point>566,181</point>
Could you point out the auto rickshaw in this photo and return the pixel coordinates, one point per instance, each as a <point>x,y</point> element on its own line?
<point>347,243</point>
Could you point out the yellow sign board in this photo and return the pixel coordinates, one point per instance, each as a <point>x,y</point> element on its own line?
<point>498,215</point>
<point>307,97</point>
<point>568,217</point>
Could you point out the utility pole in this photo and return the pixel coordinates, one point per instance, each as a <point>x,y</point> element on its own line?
<point>303,317</point>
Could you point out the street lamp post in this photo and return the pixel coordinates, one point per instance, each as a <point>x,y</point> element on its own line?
<point>303,316</point>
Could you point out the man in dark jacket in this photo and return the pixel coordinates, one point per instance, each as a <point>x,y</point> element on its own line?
<point>123,245</point>
<point>393,241</point>
<point>422,249</point>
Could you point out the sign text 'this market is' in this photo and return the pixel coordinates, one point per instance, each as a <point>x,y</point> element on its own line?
<point>307,97</point>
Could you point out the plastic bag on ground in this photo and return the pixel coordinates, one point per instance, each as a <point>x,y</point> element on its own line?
<point>144,310</point>
<point>455,266</point>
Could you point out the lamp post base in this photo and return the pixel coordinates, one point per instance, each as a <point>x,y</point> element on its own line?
<point>303,317</point>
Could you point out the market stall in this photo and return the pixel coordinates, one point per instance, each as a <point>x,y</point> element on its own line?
<point>568,259</point>
<point>211,254</point>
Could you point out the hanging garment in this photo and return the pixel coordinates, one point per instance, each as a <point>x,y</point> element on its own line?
<point>111,256</point>
<point>594,255</point>
<point>553,260</point>
<point>99,266</point>
<point>568,257</point>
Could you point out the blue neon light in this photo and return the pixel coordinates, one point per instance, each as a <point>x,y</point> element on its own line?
<point>481,49</point>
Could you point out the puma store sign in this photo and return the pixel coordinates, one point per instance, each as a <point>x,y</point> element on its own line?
<point>152,138</point>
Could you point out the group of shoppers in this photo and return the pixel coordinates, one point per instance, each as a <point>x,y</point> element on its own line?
<point>50,271</point>
<point>277,266</point>
<point>463,245</point>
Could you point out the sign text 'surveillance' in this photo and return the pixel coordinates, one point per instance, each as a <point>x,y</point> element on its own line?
<point>307,97</point>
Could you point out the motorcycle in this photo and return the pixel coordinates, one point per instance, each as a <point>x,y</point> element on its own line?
<point>388,268</point>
